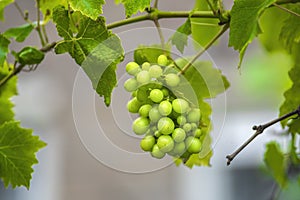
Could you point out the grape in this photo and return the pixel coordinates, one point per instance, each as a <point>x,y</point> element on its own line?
<point>181,120</point>
<point>156,152</point>
<point>187,127</point>
<point>140,125</point>
<point>142,94</point>
<point>132,68</point>
<point>165,125</point>
<point>194,116</point>
<point>147,143</point>
<point>130,85</point>
<point>155,71</point>
<point>165,92</point>
<point>179,148</point>
<point>165,108</point>
<point>157,133</point>
<point>156,95</point>
<point>146,66</point>
<point>143,77</point>
<point>162,60</point>
<point>154,114</point>
<point>172,80</point>
<point>180,105</point>
<point>133,105</point>
<point>193,144</point>
<point>144,110</point>
<point>194,126</point>
<point>178,135</point>
<point>165,143</point>
<point>197,133</point>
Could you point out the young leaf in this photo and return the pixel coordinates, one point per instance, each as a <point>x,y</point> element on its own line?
<point>134,6</point>
<point>3,4</point>
<point>94,47</point>
<point>180,37</point>
<point>19,33</point>
<point>150,53</point>
<point>4,42</point>
<point>29,56</point>
<point>17,154</point>
<point>89,8</point>
<point>203,30</point>
<point>274,160</point>
<point>244,25</point>
<point>47,6</point>
<point>205,80</point>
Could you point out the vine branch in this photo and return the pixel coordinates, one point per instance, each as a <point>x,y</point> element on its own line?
<point>286,10</point>
<point>259,130</point>
<point>189,64</point>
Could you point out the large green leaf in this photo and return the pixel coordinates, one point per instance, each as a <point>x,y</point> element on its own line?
<point>94,47</point>
<point>89,8</point>
<point>4,42</point>
<point>3,4</point>
<point>180,37</point>
<point>203,30</point>
<point>17,154</point>
<point>134,6</point>
<point>19,33</point>
<point>275,162</point>
<point>244,25</point>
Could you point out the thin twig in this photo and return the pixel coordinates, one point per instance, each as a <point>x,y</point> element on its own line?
<point>22,14</point>
<point>38,27</point>
<point>259,130</point>
<point>189,64</point>
<point>286,10</point>
<point>160,33</point>
<point>155,4</point>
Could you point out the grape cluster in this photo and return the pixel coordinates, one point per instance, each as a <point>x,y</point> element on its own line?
<point>170,124</point>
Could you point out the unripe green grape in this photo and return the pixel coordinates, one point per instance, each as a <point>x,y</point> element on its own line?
<point>133,94</point>
<point>140,125</point>
<point>144,110</point>
<point>147,143</point>
<point>154,114</point>
<point>165,92</point>
<point>155,71</point>
<point>197,133</point>
<point>143,77</point>
<point>130,85</point>
<point>181,120</point>
<point>187,127</point>
<point>178,135</point>
<point>193,144</point>
<point>142,95</point>
<point>165,108</point>
<point>156,152</point>
<point>194,115</point>
<point>172,80</point>
<point>180,106</point>
<point>179,148</point>
<point>194,126</point>
<point>133,105</point>
<point>162,60</point>
<point>157,134</point>
<point>165,125</point>
<point>165,143</point>
<point>132,68</point>
<point>146,66</point>
<point>156,95</point>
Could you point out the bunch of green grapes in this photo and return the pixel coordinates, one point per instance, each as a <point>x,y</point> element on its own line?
<point>170,124</point>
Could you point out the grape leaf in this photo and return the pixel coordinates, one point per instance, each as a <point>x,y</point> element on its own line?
<point>180,37</point>
<point>150,53</point>
<point>17,154</point>
<point>203,30</point>
<point>274,160</point>
<point>205,80</point>
<point>95,48</point>
<point>244,23</point>
<point>89,8</point>
<point>19,33</point>
<point>3,4</point>
<point>29,56</point>
<point>47,6</point>
<point>134,6</point>
<point>4,42</point>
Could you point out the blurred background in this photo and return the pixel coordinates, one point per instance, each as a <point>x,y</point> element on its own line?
<point>67,169</point>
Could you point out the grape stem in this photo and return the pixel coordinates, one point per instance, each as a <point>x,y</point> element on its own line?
<point>259,130</point>
<point>190,63</point>
<point>286,10</point>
